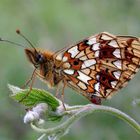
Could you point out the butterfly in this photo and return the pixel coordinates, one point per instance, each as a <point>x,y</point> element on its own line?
<point>96,67</point>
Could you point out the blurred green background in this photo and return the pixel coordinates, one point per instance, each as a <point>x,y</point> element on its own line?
<point>52,25</point>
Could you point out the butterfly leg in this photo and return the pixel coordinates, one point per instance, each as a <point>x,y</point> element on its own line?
<point>57,91</point>
<point>32,79</point>
<point>27,83</point>
<point>29,80</point>
<point>58,82</point>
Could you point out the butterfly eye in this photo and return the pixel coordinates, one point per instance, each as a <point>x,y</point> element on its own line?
<point>39,58</point>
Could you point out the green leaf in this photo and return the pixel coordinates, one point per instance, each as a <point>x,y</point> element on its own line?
<point>35,96</point>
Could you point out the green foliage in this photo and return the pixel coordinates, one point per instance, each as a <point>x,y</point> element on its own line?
<point>34,97</point>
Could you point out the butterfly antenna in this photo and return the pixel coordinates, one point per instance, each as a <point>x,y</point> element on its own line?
<point>11,42</point>
<point>19,33</point>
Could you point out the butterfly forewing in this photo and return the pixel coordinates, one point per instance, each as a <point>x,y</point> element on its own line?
<point>100,65</point>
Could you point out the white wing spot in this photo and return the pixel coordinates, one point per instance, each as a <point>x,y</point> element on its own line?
<point>83,77</point>
<point>82,85</point>
<point>113,43</point>
<point>97,77</point>
<point>117,53</point>
<point>97,53</point>
<point>92,41</point>
<point>117,74</point>
<point>96,46</point>
<point>59,57</point>
<point>118,64</point>
<point>73,51</point>
<point>69,71</point>
<point>114,83</point>
<point>97,87</point>
<point>88,63</point>
<point>65,59</point>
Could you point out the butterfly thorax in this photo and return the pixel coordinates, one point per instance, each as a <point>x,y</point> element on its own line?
<point>46,68</point>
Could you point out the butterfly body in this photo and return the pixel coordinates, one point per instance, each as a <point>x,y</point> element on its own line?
<point>96,67</point>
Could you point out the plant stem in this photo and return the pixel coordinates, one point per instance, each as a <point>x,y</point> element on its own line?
<point>81,111</point>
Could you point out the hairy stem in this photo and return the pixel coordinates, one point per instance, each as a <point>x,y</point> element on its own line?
<point>81,111</point>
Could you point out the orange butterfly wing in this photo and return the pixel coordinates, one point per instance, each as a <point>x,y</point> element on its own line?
<point>100,65</point>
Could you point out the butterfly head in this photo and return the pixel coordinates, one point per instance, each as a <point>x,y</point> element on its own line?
<point>41,60</point>
<point>37,58</point>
